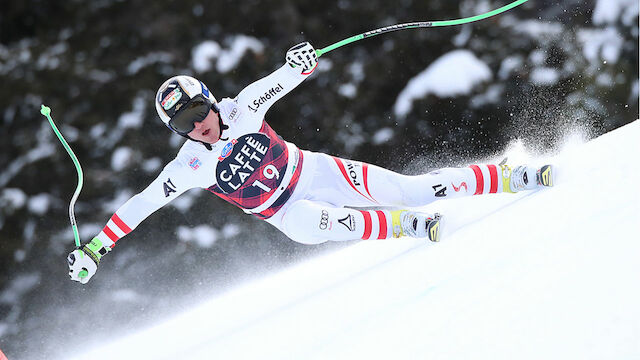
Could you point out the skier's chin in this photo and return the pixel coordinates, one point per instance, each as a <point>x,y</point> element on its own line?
<point>211,138</point>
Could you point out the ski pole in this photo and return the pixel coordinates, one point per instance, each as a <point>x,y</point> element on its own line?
<point>419,24</point>
<point>46,111</point>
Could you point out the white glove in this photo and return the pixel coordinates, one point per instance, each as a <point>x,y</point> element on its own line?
<point>83,261</point>
<point>303,56</point>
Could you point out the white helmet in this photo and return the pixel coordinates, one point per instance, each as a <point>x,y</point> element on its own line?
<point>175,93</point>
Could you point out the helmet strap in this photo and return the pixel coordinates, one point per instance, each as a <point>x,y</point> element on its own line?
<point>206,145</point>
<point>223,127</point>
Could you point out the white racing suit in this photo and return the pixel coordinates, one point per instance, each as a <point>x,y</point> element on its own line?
<point>302,193</point>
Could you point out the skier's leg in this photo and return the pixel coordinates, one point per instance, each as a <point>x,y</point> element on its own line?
<point>378,186</point>
<point>310,222</point>
<point>319,215</point>
<point>372,185</point>
<point>355,183</point>
<point>391,188</point>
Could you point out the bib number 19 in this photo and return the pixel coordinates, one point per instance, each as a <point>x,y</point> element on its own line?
<point>269,172</point>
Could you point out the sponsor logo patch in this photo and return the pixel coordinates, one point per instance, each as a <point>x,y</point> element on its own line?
<point>195,163</point>
<point>205,91</point>
<point>462,185</point>
<point>324,220</point>
<point>440,190</point>
<point>351,168</point>
<point>348,222</point>
<point>171,99</point>
<point>268,95</point>
<point>233,114</point>
<point>168,187</point>
<point>227,149</point>
<point>241,161</point>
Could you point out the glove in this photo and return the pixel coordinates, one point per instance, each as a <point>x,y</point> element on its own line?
<point>83,261</point>
<point>304,56</point>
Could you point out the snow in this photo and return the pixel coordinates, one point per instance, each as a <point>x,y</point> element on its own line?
<point>492,95</point>
<point>538,29</point>
<point>101,76</point>
<point>230,230</point>
<point>125,295</point>
<point>89,230</point>
<point>601,44</point>
<point>537,57</point>
<point>348,90</point>
<point>152,165</point>
<point>19,255</point>
<point>546,274</point>
<point>121,158</point>
<point>356,70</point>
<point>49,59</point>
<point>544,76</point>
<point>12,58</point>
<point>325,65</point>
<point>203,235</point>
<point>13,198</point>
<point>604,79</point>
<point>134,118</point>
<point>229,59</point>
<point>455,73</point>
<point>39,204</point>
<point>609,11</point>
<point>4,327</point>
<point>120,198</point>
<point>43,150</point>
<point>98,130</point>
<point>508,65</point>
<point>198,10</point>
<point>184,202</point>
<point>204,54</point>
<point>382,136</point>
<point>152,58</point>
<point>19,286</point>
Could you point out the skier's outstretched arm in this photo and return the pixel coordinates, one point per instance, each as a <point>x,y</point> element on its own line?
<point>167,186</point>
<point>258,97</point>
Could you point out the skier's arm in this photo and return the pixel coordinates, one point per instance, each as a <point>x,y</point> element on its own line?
<point>171,182</point>
<point>258,97</point>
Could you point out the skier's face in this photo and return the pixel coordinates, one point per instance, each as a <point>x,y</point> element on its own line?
<point>207,130</point>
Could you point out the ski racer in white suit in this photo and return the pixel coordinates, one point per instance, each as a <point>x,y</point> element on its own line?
<point>232,152</point>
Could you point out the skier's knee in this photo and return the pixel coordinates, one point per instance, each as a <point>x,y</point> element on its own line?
<point>301,221</point>
<point>415,192</point>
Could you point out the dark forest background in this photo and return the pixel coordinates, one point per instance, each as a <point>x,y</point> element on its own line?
<point>98,63</point>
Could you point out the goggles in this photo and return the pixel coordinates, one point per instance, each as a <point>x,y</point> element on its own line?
<point>195,110</point>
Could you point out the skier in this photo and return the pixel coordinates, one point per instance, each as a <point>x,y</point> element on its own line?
<point>232,152</point>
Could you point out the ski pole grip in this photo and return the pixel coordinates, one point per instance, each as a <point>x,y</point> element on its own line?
<point>45,110</point>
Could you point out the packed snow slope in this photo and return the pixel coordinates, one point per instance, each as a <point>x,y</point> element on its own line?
<point>552,274</point>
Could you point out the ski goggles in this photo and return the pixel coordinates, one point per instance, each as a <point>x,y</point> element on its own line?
<point>195,110</point>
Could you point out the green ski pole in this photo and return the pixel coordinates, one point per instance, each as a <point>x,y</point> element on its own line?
<point>416,25</point>
<point>46,111</point>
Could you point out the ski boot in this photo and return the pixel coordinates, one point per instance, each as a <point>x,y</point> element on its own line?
<point>415,224</point>
<point>520,177</point>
